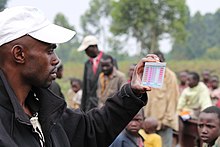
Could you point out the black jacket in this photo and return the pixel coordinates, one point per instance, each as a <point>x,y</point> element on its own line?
<point>63,127</point>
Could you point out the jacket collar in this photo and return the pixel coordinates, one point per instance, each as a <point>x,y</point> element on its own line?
<point>48,103</point>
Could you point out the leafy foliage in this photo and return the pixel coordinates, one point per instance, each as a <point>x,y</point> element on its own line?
<point>202,40</point>
<point>93,19</point>
<point>67,51</point>
<point>147,21</point>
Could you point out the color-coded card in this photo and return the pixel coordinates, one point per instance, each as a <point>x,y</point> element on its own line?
<point>153,74</point>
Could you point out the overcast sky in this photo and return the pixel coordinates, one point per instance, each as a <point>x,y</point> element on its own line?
<point>73,9</point>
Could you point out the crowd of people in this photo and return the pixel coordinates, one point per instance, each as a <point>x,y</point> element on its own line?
<point>105,108</point>
<point>182,97</point>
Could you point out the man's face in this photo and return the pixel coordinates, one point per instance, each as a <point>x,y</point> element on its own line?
<point>191,81</point>
<point>209,127</point>
<point>206,75</point>
<point>135,124</point>
<point>91,51</point>
<point>183,77</point>
<point>107,66</point>
<point>214,82</point>
<point>40,63</point>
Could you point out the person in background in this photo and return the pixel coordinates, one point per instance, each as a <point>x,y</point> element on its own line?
<point>206,75</point>
<point>130,72</point>
<point>195,98</point>
<point>31,115</point>
<point>110,80</point>
<point>151,139</point>
<point>76,86</point>
<point>130,137</point>
<point>55,87</point>
<point>215,89</point>
<point>214,82</point>
<point>183,80</point>
<point>209,126</point>
<point>162,105</point>
<point>92,69</point>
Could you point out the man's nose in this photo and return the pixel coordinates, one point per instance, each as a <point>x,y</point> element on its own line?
<point>56,60</point>
<point>204,130</point>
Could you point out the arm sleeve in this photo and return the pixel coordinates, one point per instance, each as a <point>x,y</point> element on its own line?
<point>205,100</point>
<point>181,102</point>
<point>98,127</point>
<point>84,93</point>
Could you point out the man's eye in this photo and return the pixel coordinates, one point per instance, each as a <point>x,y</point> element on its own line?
<point>51,51</point>
<point>210,126</point>
<point>200,125</point>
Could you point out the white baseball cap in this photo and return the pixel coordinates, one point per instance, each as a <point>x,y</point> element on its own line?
<point>18,21</point>
<point>87,41</point>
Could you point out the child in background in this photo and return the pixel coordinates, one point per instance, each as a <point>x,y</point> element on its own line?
<point>151,139</point>
<point>130,137</point>
<point>75,100</point>
<point>209,126</point>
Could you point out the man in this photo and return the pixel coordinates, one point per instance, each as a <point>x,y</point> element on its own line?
<point>55,87</point>
<point>194,98</point>
<point>30,114</point>
<point>183,80</point>
<point>130,137</point>
<point>192,101</point>
<point>206,75</point>
<point>162,105</point>
<point>209,126</point>
<point>110,80</point>
<point>215,89</point>
<point>92,70</point>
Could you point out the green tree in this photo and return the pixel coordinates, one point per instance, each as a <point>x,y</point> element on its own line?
<point>194,45</point>
<point>202,39</point>
<point>92,20</point>
<point>212,53</point>
<point>3,4</point>
<point>64,50</point>
<point>96,21</point>
<point>149,20</point>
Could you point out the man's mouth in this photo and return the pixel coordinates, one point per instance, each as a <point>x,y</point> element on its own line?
<point>204,138</point>
<point>53,75</point>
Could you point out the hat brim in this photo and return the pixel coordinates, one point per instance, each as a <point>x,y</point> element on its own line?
<point>82,47</point>
<point>53,34</point>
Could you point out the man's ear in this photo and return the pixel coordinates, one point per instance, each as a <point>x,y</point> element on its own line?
<point>18,53</point>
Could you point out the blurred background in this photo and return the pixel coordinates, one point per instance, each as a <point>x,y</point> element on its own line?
<point>186,31</point>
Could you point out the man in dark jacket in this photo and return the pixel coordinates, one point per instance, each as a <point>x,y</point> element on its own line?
<point>30,114</point>
<point>92,70</point>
